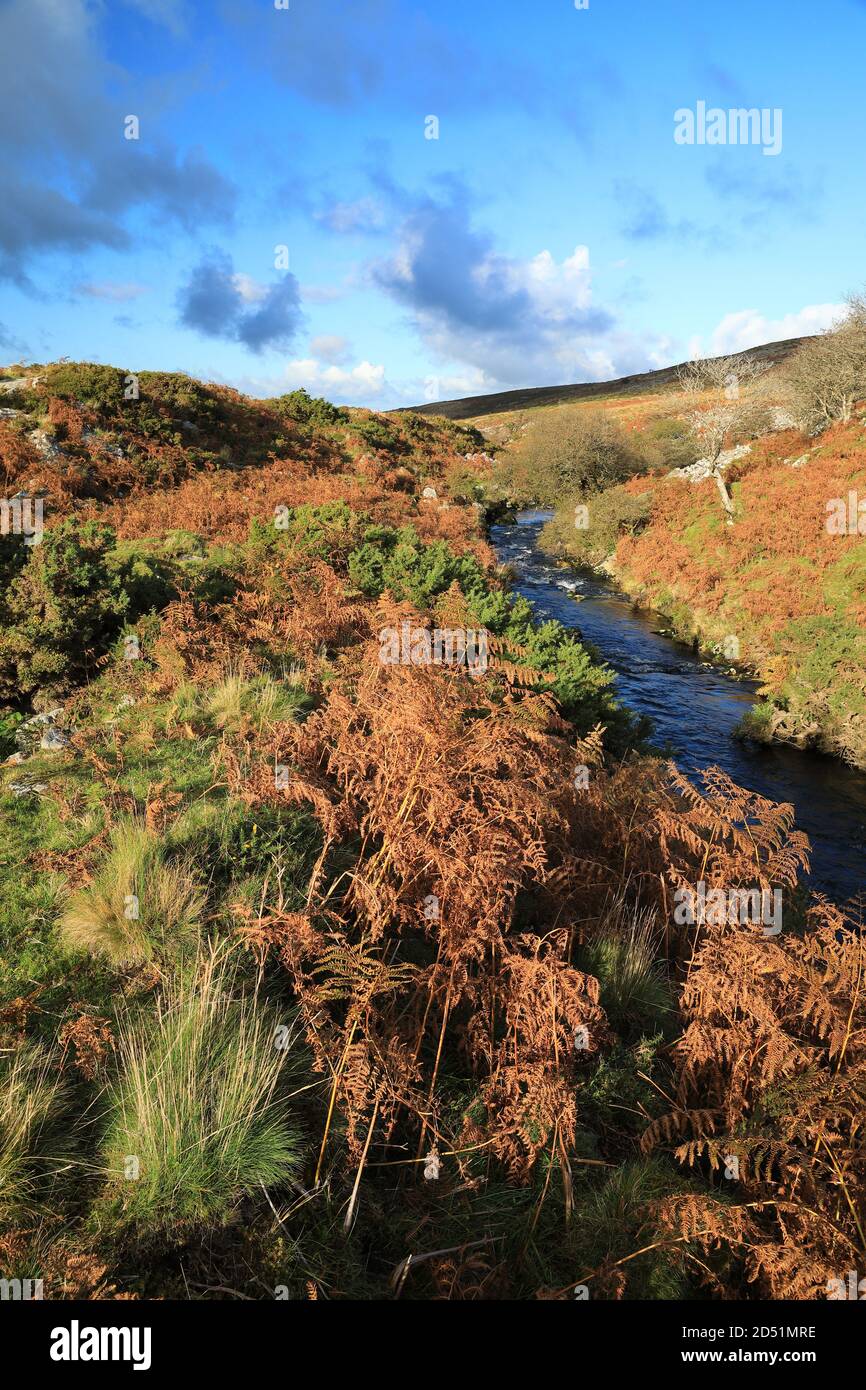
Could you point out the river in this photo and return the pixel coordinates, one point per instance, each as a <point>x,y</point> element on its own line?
<point>696,706</point>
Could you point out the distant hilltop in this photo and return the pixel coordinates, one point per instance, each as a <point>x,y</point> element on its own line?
<point>471,406</point>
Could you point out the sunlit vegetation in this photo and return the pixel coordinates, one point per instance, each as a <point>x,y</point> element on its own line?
<point>310,964</point>
<point>780,580</point>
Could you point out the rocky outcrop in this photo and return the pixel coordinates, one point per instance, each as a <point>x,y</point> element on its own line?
<point>704,468</point>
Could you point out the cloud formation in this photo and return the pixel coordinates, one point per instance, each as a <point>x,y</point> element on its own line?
<point>410,58</point>
<point>330,347</point>
<point>220,304</point>
<point>521,322</point>
<point>745,328</point>
<point>60,116</point>
<point>344,385</point>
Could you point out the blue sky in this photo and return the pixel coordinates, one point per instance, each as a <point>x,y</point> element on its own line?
<point>555,231</point>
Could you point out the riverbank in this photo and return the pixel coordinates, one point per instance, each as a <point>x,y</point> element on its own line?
<point>698,706</point>
<point>779,593</point>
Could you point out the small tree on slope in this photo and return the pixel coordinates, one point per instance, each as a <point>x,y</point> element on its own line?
<point>720,408</point>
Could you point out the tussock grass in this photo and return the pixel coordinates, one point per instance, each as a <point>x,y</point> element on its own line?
<point>139,906</point>
<point>32,1102</point>
<point>617,1221</point>
<point>259,702</point>
<point>635,993</point>
<point>202,1102</point>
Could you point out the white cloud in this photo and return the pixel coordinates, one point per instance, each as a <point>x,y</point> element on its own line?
<point>748,328</point>
<point>356,385</point>
<point>518,321</point>
<point>330,347</point>
<point>250,291</point>
<point>116,293</point>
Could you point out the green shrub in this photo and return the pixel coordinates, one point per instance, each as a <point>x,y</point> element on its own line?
<point>153,571</point>
<point>574,452</point>
<point>609,514</point>
<point>465,439</point>
<point>398,560</point>
<point>380,433</point>
<point>667,443</point>
<point>327,532</point>
<point>9,721</point>
<point>182,395</point>
<point>202,1104</point>
<point>578,678</point>
<point>464,484</point>
<point>436,429</point>
<point>308,410</point>
<point>64,608</point>
<point>88,382</point>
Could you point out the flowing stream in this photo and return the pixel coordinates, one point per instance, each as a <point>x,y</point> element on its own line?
<point>696,706</point>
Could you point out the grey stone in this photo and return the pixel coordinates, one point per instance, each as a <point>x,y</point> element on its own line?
<point>703,468</point>
<point>54,740</point>
<point>27,788</point>
<point>45,445</point>
<point>29,735</point>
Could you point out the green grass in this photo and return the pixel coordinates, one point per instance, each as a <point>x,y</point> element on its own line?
<point>139,907</point>
<point>236,701</point>
<point>203,1103</point>
<point>33,1138</point>
<point>635,993</point>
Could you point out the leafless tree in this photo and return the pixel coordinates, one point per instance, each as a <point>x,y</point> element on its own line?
<point>827,375</point>
<point>721,406</point>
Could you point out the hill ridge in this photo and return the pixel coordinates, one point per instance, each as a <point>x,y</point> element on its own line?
<point>468,407</point>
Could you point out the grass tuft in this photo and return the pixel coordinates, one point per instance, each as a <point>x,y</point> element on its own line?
<point>139,906</point>
<point>635,993</point>
<point>201,1105</point>
<point>32,1102</point>
<point>260,702</point>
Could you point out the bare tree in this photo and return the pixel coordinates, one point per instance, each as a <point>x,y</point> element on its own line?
<point>827,375</point>
<point>721,407</point>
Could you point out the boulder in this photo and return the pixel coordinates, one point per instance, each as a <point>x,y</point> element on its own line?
<point>703,468</point>
<point>29,736</point>
<point>27,788</point>
<point>54,740</point>
<point>45,445</point>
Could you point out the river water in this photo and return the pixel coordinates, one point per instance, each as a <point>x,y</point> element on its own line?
<point>696,706</point>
